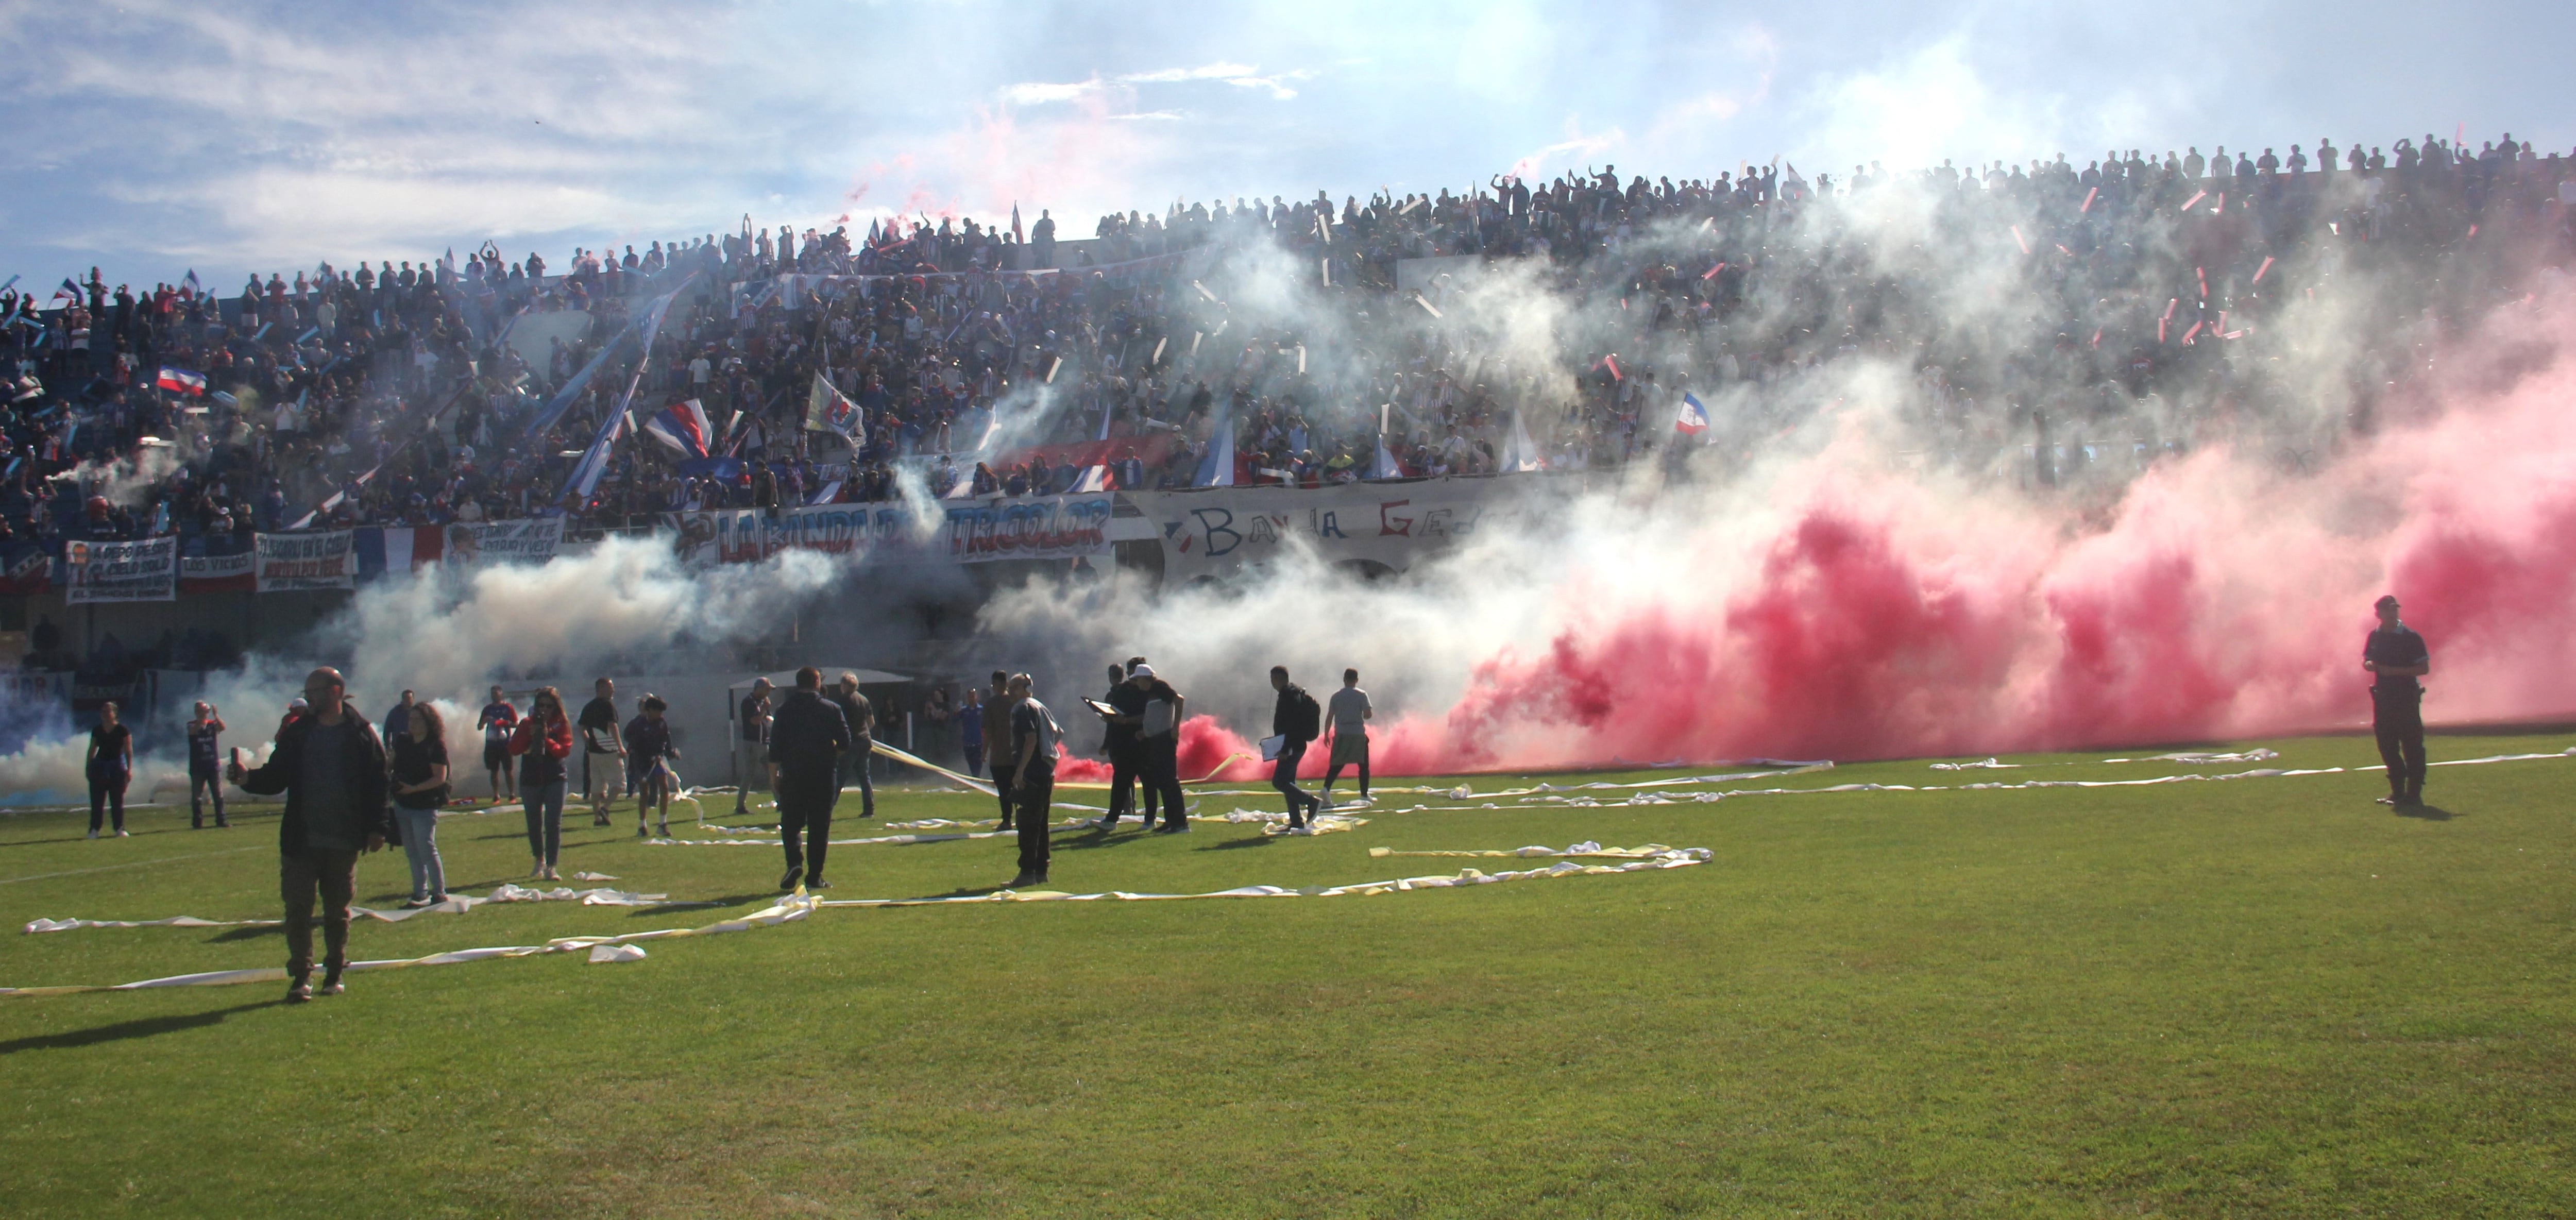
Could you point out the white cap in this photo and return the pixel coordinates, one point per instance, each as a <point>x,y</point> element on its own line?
<point>1142,670</point>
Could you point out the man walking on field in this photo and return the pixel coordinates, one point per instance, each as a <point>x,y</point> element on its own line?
<point>2398,656</point>
<point>806,740</point>
<point>331,767</point>
<point>1346,719</point>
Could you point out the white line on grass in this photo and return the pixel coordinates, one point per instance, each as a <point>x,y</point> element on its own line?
<point>233,851</point>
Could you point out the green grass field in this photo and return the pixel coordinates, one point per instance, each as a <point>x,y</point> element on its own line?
<point>2269,996</point>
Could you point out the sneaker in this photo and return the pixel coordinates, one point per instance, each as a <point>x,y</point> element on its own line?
<point>537,871</point>
<point>331,985</point>
<point>818,883</point>
<point>2390,799</point>
<point>552,875</point>
<point>788,882</point>
<point>124,834</point>
<point>93,834</point>
<point>1004,828</point>
<point>436,899</point>
<point>1174,828</point>
<point>663,831</point>
<point>194,824</point>
<point>1023,881</point>
<point>639,831</point>
<point>299,991</point>
<point>416,903</point>
<point>221,824</point>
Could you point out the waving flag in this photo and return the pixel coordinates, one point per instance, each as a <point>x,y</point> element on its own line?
<point>1519,455</point>
<point>827,409</point>
<point>189,287</point>
<point>67,290</point>
<point>181,381</point>
<point>684,429</point>
<point>1217,468</point>
<point>1384,466</point>
<point>1693,419</point>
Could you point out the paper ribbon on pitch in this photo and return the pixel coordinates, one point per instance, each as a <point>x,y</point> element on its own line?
<point>787,910</point>
<point>456,904</point>
<point>986,786</point>
<point>800,905</point>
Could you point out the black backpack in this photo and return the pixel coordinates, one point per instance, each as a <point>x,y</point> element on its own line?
<point>1305,716</point>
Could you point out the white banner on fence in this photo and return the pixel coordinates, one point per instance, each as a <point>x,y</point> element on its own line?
<point>1217,530</point>
<point>323,560</point>
<point>217,573</point>
<point>527,540</point>
<point>1042,527</point>
<point>146,571</point>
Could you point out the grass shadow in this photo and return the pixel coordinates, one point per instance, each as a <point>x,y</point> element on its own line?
<point>1236,844</point>
<point>1093,842</point>
<point>123,1030</point>
<point>2428,813</point>
<point>253,933</point>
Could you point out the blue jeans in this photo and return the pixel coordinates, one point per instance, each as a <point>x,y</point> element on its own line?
<point>545,819</point>
<point>854,769</point>
<point>420,844</point>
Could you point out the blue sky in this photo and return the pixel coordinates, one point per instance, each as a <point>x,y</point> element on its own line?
<point>147,137</point>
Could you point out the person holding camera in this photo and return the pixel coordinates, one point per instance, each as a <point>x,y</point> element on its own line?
<point>205,765</point>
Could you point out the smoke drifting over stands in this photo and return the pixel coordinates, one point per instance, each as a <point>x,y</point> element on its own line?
<point>2053,327</point>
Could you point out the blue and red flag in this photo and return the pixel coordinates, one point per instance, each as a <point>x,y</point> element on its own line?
<point>684,429</point>
<point>1693,419</point>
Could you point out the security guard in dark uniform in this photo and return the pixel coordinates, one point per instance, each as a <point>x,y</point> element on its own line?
<point>806,739</point>
<point>2398,656</point>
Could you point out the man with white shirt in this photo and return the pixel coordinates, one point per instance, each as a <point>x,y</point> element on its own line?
<point>1346,718</point>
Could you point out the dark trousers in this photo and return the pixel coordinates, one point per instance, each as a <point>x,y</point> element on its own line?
<point>1283,776</point>
<point>1162,779</point>
<point>107,793</point>
<point>1002,790</point>
<point>1035,796</point>
<point>805,813</point>
<point>203,784</point>
<point>1123,769</point>
<point>334,874</point>
<point>854,769</point>
<point>2397,718</point>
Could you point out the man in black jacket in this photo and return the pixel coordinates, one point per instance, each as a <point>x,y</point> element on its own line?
<point>2398,656</point>
<point>331,767</point>
<point>806,738</point>
<point>1295,721</point>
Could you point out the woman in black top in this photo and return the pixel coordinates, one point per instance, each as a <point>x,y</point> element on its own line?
<point>111,764</point>
<point>419,788</point>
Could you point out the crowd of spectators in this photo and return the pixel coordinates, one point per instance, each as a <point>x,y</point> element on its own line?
<point>2048,318</point>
